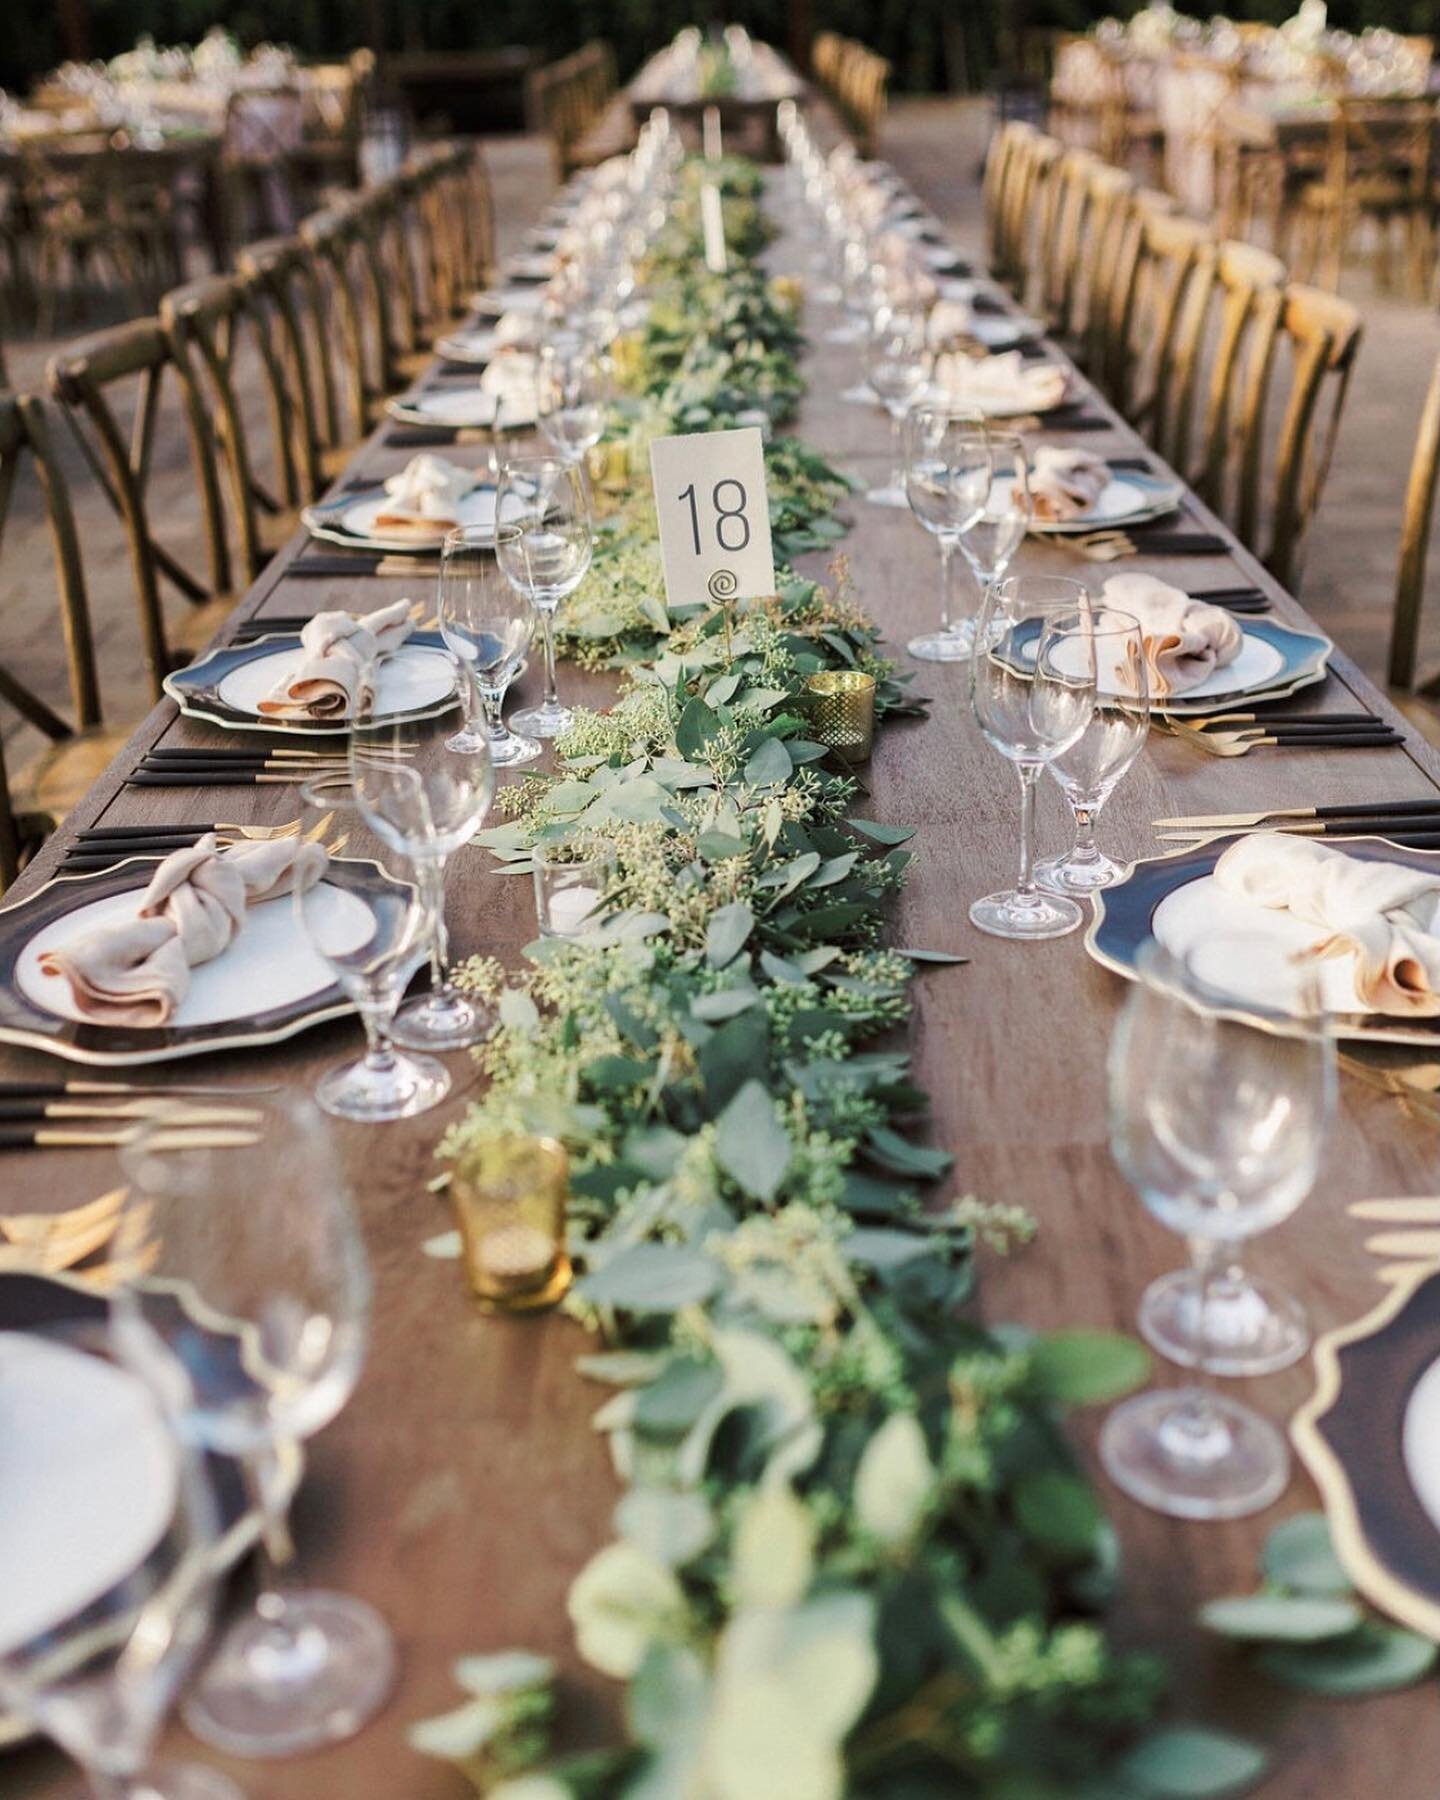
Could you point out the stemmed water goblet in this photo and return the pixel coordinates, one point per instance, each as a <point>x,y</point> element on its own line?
<point>897,367</point>
<point>425,809</point>
<point>259,1243</point>
<point>948,473</point>
<point>1218,1123</point>
<point>372,945</point>
<point>997,531</point>
<point>488,627</point>
<point>546,559</point>
<point>1032,685</point>
<point>1089,771</point>
<point>101,1676</point>
<point>573,387</point>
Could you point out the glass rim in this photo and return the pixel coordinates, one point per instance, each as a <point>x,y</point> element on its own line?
<point>479,537</point>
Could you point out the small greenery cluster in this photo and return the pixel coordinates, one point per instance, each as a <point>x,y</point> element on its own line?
<point>853,1554</point>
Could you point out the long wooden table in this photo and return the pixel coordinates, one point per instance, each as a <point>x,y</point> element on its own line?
<point>463,1487</point>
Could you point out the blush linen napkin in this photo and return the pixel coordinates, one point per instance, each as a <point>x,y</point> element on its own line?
<point>1185,640</point>
<point>138,973</point>
<point>423,500</point>
<point>1065,482</point>
<point>1383,913</point>
<point>1001,384</point>
<point>329,682</point>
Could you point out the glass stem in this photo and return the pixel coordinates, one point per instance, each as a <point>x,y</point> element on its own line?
<point>897,473</point>
<point>1025,886</point>
<point>431,874</point>
<point>947,584</point>
<point>1197,1430</point>
<point>547,632</point>
<point>492,705</point>
<point>1084,850</point>
<point>275,1548</point>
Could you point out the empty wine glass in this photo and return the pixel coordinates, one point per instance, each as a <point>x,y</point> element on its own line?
<point>991,538</point>
<point>1252,1325</point>
<point>488,627</point>
<point>100,1677</point>
<point>1032,684</point>
<point>426,808</point>
<point>546,560</point>
<point>1218,1124</point>
<point>372,942</point>
<point>573,387</point>
<point>1088,772</point>
<point>262,1243</point>
<point>897,366</point>
<point>947,480</point>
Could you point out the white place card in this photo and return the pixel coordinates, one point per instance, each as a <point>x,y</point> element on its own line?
<point>712,222</point>
<point>714,516</point>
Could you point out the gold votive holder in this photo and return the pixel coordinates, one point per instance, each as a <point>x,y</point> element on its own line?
<point>609,467</point>
<point>509,1197</point>
<point>842,712</point>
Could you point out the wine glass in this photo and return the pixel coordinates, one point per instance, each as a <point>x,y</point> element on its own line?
<point>260,1242</point>
<point>425,808</point>
<point>948,474</point>
<point>488,628</point>
<point>1032,684</point>
<point>100,1678</point>
<point>573,387</point>
<point>998,530</point>
<point>546,559</point>
<point>372,946</point>
<point>897,366</point>
<point>1218,1124</point>
<point>1088,772</point>
<point>1251,1325</point>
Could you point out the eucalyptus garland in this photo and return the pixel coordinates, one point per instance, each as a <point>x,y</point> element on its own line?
<point>853,1555</point>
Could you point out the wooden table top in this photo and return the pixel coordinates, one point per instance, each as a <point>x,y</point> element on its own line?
<point>463,1488</point>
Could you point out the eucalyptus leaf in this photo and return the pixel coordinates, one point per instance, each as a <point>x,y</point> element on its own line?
<point>1291,1618</point>
<point>883,834</point>
<point>895,1479</point>
<point>1187,1763</point>
<point>1373,1660</point>
<point>1058,1512</point>
<point>725,937</point>
<point>1300,1553</point>
<point>724,1004</point>
<point>672,1527</point>
<point>1079,1368</point>
<point>769,763</point>
<point>651,1278</point>
<point>751,1144</point>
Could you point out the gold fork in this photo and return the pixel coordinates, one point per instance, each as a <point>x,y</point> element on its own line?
<point>76,1221</point>
<point>1098,546</point>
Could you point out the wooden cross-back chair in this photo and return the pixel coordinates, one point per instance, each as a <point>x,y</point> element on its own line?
<point>209,324</point>
<point>1403,672</point>
<point>448,257</point>
<point>36,796</point>
<point>1322,334</point>
<point>1250,292</point>
<point>1162,297</point>
<point>1002,158</point>
<point>1109,219</point>
<point>1024,207</point>
<point>566,98</point>
<point>86,378</point>
<point>341,241</point>
<point>1068,219</point>
<point>1379,168</point>
<point>288,290</point>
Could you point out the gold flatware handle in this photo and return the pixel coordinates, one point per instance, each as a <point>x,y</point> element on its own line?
<point>1417,1245</point>
<point>1419,1209</point>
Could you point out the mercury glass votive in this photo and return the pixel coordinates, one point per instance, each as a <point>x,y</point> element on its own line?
<point>842,712</point>
<point>571,876</point>
<point>509,1198</point>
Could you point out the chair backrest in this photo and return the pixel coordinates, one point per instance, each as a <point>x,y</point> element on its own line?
<point>288,293</point>
<point>1250,285</point>
<point>1002,159</point>
<point>1164,309</point>
<point>566,97</point>
<point>1109,219</point>
<point>1388,137</point>
<point>1324,334</point>
<point>1415,542</point>
<point>209,324</point>
<point>1024,209</point>
<point>1062,236</point>
<point>87,378</point>
<point>25,435</point>
<point>340,243</point>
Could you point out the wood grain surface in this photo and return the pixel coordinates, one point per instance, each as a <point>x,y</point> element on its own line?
<point>463,1487</point>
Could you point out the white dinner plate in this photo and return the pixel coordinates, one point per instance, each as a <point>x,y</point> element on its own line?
<point>463,408</point>
<point>350,520</point>
<point>477,347</point>
<point>511,299</point>
<point>1125,500</point>
<point>90,1479</point>
<point>532,266</point>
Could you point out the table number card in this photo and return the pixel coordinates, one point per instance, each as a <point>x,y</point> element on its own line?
<point>714,516</point>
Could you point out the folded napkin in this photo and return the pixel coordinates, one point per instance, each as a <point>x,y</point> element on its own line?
<point>1384,913</point>
<point>138,973</point>
<point>423,500</point>
<point>338,647</point>
<point>513,330</point>
<point>949,319</point>
<point>1185,639</point>
<point>511,379</point>
<point>1002,383</point>
<point>1065,482</point>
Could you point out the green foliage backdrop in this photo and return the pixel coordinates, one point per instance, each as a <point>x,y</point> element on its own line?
<point>933,44</point>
